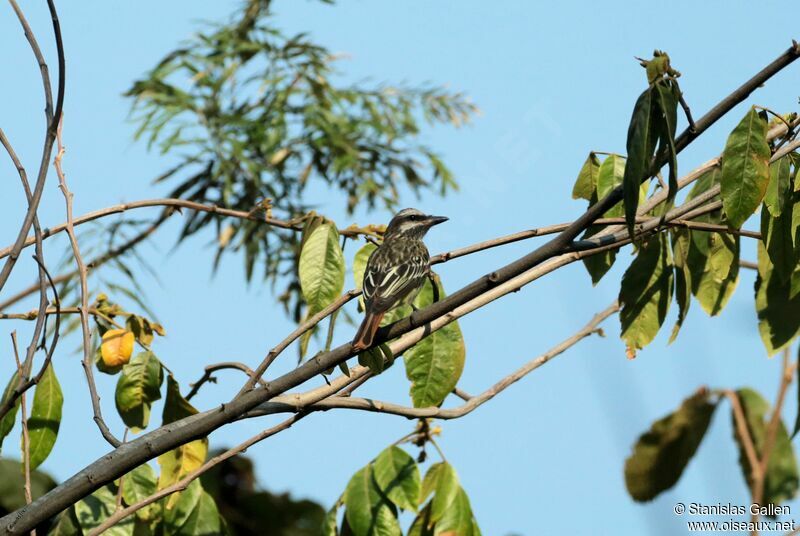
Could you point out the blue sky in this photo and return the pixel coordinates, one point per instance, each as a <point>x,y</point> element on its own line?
<point>554,80</point>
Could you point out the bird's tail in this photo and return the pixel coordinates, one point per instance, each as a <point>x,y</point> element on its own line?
<point>366,332</point>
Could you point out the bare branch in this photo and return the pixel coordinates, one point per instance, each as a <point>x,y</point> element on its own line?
<point>295,403</point>
<point>52,121</point>
<point>294,335</point>
<point>744,432</point>
<point>26,441</point>
<point>210,369</point>
<point>173,203</point>
<point>759,479</point>
<point>41,285</point>
<point>84,308</point>
<point>96,262</point>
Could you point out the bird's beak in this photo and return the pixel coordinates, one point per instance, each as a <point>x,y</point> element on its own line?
<point>436,220</point>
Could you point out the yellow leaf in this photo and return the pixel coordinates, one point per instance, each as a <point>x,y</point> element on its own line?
<point>179,462</point>
<point>117,347</point>
<point>279,156</point>
<point>226,235</point>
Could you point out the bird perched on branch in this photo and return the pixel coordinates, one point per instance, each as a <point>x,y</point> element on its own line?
<point>395,271</point>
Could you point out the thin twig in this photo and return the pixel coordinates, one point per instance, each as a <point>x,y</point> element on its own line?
<point>686,111</point>
<point>52,119</point>
<point>37,238</point>
<point>743,430</point>
<point>302,328</point>
<point>26,439</point>
<point>301,403</point>
<point>41,285</point>
<point>787,374</point>
<point>210,369</point>
<point>351,231</point>
<point>748,264</point>
<point>94,263</point>
<point>87,361</point>
<point>33,314</point>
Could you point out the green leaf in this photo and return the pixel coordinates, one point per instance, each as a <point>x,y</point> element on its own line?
<point>91,511</point>
<point>662,453</point>
<point>745,168</point>
<point>137,486</point>
<point>360,266</point>
<point>781,479</point>
<point>66,524</point>
<point>330,521</point>
<point>706,181</point>
<point>321,271</point>
<point>681,242</point>
<point>476,530</point>
<point>777,304</point>
<point>435,363</point>
<point>175,406</point>
<point>609,176</point>
<point>12,482</point>
<point>713,258</point>
<point>397,476</point>
<point>422,523</point>
<point>179,462</point>
<point>586,184</point>
<point>778,235</point>
<point>444,482</point>
<point>667,99</point>
<point>138,387</point>
<point>598,265</point>
<point>45,417</point>
<point>646,292</point>
<point>643,132</point>
<point>7,422</point>
<point>780,185</point>
<point>368,512</point>
<point>321,267</point>
<point>372,358</point>
<point>176,515</point>
<point>431,480</point>
<point>457,519</point>
<point>204,519</point>
<point>715,285</point>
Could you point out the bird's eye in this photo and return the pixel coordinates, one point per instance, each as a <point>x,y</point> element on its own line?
<point>414,217</point>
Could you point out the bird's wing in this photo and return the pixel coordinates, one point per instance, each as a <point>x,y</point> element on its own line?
<point>386,284</point>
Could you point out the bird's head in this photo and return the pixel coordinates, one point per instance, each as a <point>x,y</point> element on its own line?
<point>411,223</point>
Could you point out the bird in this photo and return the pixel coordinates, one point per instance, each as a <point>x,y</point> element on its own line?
<point>395,271</point>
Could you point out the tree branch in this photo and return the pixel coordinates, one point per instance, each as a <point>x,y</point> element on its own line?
<point>87,361</point>
<point>210,369</point>
<point>477,294</point>
<point>744,433</point>
<point>183,483</point>
<point>787,374</point>
<point>289,403</point>
<point>294,403</point>
<point>26,441</point>
<point>52,121</point>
